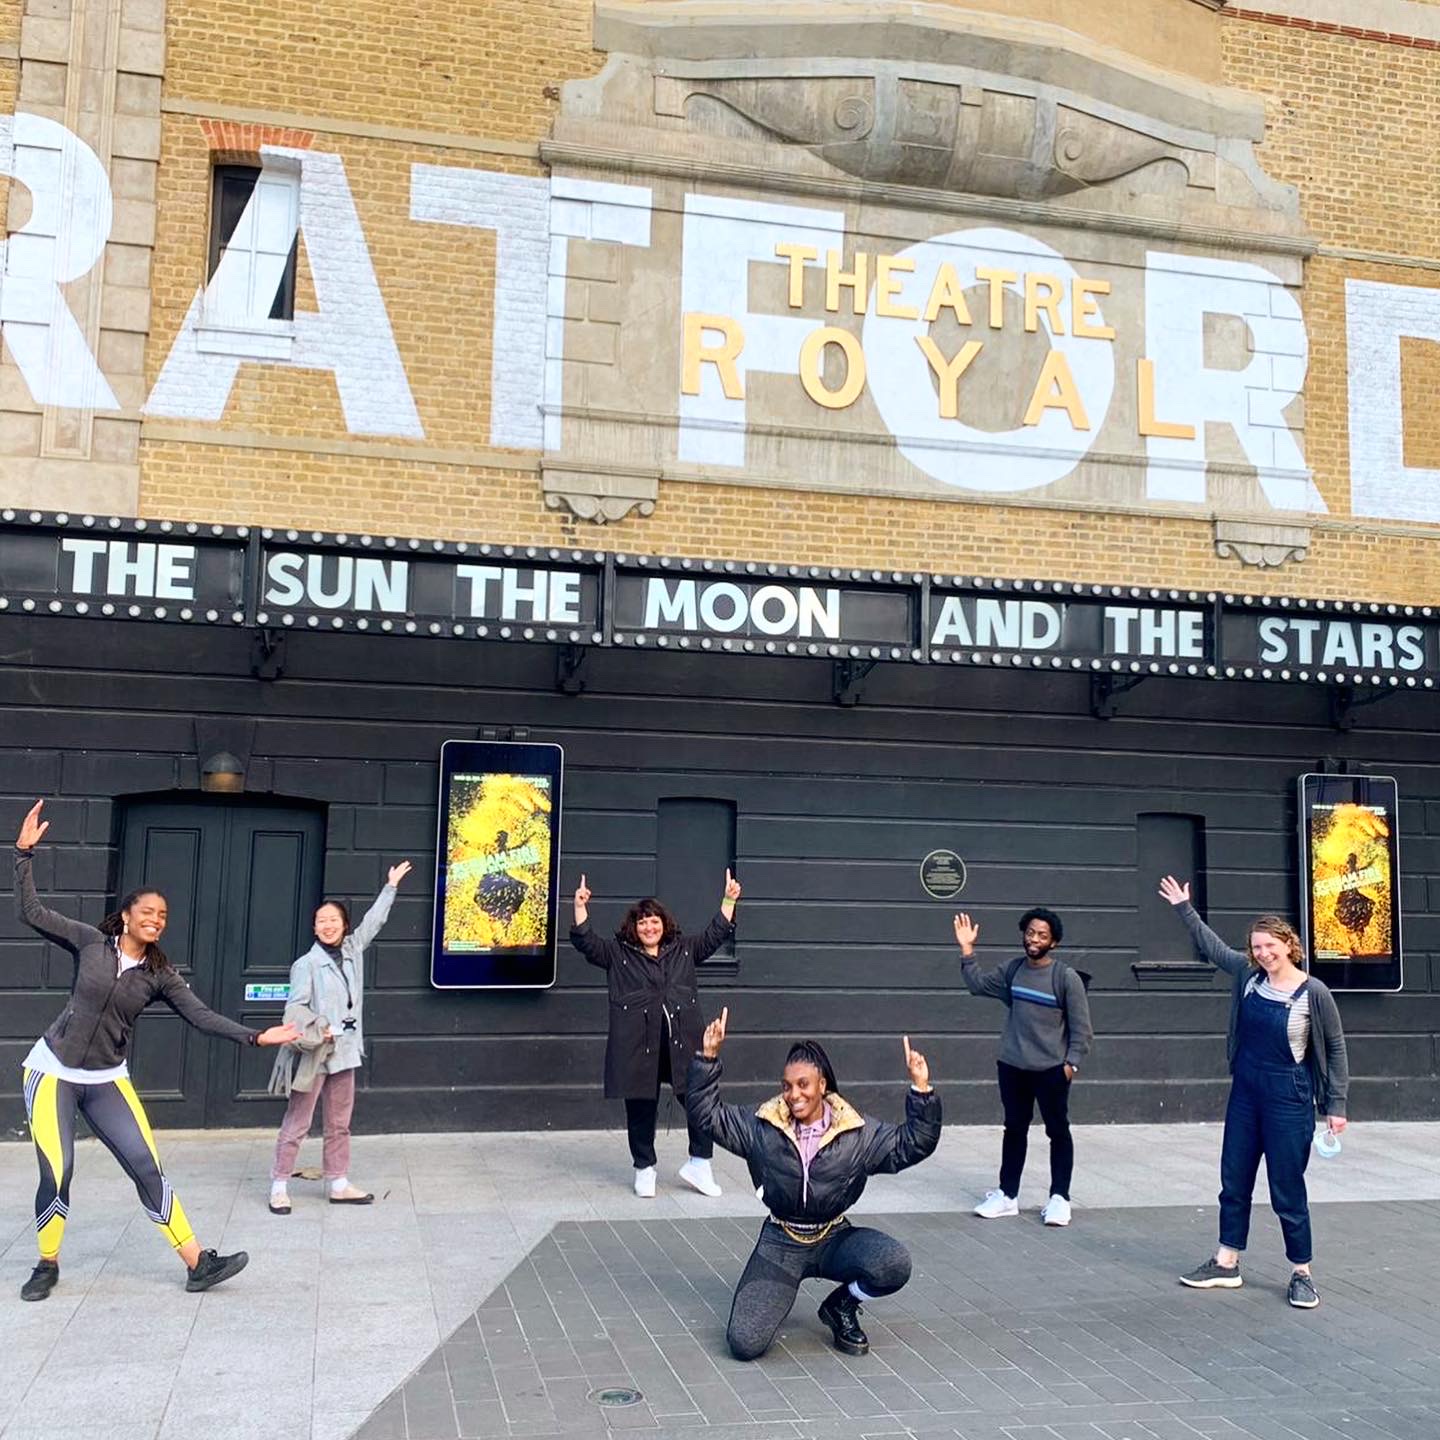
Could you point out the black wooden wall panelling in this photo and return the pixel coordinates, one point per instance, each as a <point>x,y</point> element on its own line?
<point>835,807</point>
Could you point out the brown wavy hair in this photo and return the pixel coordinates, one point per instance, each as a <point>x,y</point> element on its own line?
<point>1281,930</point>
<point>154,959</point>
<point>638,911</point>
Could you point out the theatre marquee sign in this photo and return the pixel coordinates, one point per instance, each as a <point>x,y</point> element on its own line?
<point>193,573</point>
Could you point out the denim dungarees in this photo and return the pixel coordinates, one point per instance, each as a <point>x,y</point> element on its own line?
<point>1272,1114</point>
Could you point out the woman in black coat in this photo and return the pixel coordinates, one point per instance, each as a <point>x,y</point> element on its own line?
<point>655,1024</point>
<point>810,1153</point>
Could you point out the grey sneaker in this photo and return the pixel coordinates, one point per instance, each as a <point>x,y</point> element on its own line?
<point>1303,1295</point>
<point>1213,1276</point>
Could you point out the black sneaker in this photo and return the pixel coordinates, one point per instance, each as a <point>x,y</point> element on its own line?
<point>211,1269</point>
<point>1303,1295</point>
<point>841,1312</point>
<point>43,1279</point>
<point>1213,1276</point>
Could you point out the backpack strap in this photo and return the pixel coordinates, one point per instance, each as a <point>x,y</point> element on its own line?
<point>1011,971</point>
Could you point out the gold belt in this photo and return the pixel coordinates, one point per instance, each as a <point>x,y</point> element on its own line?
<point>812,1236</point>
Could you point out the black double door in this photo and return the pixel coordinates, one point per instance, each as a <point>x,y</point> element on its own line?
<point>242,880</point>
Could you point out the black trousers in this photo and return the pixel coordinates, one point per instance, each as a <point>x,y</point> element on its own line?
<point>641,1117</point>
<point>1019,1090</point>
<point>876,1262</point>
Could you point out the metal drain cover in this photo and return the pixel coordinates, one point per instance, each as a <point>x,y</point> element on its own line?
<point>615,1395</point>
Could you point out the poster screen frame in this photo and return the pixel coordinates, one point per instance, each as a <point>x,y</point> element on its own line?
<point>532,968</point>
<point>1385,977</point>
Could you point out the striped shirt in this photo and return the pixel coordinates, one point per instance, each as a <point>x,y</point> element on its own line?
<point>1297,1028</point>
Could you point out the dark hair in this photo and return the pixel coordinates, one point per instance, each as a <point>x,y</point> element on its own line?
<point>638,911</point>
<point>1039,912</point>
<point>113,925</point>
<point>811,1052</point>
<point>341,907</point>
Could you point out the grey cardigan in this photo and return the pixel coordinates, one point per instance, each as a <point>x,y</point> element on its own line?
<point>335,990</point>
<point>1325,1053</point>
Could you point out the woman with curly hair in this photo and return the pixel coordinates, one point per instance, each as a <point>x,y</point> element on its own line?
<point>79,1066</point>
<point>655,1022</point>
<point>1287,1059</point>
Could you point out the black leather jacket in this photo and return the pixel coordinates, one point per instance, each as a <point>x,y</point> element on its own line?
<point>851,1150</point>
<point>92,1032</point>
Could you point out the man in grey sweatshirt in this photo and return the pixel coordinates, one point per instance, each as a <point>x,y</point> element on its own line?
<point>1047,1033</point>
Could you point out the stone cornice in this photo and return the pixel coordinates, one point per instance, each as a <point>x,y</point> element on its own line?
<point>752,177</point>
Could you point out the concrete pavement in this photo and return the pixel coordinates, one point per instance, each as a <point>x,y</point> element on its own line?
<point>339,1305</point>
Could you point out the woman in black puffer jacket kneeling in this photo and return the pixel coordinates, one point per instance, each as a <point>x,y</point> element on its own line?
<point>810,1153</point>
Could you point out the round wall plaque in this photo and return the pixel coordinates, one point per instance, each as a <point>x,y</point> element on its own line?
<point>942,873</point>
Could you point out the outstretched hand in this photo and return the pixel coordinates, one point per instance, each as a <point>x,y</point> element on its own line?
<point>715,1034</point>
<point>732,887</point>
<point>917,1065</point>
<point>32,827</point>
<point>967,932</point>
<point>1173,892</point>
<point>399,872</point>
<point>278,1035</point>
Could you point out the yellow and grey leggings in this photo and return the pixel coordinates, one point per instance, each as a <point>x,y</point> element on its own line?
<point>114,1113</point>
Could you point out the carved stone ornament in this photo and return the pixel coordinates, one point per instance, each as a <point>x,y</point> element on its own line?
<point>1260,544</point>
<point>930,96</point>
<point>591,493</point>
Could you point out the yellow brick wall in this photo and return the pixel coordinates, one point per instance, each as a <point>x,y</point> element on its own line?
<point>438,285</point>
<point>473,69</point>
<point>9,77</point>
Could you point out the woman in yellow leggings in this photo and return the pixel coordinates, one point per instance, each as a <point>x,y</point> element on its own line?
<point>79,1067</point>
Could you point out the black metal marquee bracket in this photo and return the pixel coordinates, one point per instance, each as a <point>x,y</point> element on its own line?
<point>847,680</point>
<point>1346,701</point>
<point>569,661</point>
<point>267,653</point>
<point>1106,690</point>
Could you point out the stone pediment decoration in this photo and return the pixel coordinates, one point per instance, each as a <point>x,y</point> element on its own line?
<point>881,109</point>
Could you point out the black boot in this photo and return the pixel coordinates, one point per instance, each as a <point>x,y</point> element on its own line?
<point>841,1312</point>
<point>43,1279</point>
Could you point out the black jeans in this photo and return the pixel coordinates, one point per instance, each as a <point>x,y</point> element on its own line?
<point>1019,1090</point>
<point>641,1117</point>
<point>878,1263</point>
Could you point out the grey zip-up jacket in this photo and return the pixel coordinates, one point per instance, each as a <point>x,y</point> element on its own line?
<point>335,989</point>
<point>92,1032</point>
<point>1325,1055</point>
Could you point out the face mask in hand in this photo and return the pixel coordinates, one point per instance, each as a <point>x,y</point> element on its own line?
<point>1327,1142</point>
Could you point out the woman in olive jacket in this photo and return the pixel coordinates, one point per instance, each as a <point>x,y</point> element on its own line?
<point>655,1024</point>
<point>810,1153</point>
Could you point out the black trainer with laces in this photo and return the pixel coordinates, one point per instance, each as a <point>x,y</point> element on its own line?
<point>211,1269</point>
<point>43,1279</point>
<point>1213,1276</point>
<point>1303,1295</point>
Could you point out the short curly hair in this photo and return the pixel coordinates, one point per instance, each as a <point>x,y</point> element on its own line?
<point>1039,912</point>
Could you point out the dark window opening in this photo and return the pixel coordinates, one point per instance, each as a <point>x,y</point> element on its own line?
<point>234,188</point>
<point>695,845</point>
<point>1167,844</point>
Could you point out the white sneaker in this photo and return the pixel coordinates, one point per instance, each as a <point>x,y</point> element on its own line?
<point>1056,1211</point>
<point>995,1204</point>
<point>645,1183</point>
<point>697,1172</point>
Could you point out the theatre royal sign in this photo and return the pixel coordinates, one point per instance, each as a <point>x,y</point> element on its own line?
<point>895,250</point>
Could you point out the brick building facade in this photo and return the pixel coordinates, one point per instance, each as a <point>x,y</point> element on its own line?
<point>778,283</point>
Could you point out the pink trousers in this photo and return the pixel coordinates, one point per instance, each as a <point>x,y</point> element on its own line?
<point>338,1093</point>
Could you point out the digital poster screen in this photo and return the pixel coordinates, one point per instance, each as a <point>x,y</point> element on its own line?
<point>1350,879</point>
<point>496,871</point>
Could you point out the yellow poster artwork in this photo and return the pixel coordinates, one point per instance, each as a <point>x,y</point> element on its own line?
<point>1351,882</point>
<point>497,863</point>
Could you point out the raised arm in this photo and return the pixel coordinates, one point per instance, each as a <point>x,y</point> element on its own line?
<point>731,1126</point>
<point>194,1011</point>
<point>376,916</point>
<point>68,933</point>
<point>1208,945</point>
<point>892,1148</point>
<point>990,983</point>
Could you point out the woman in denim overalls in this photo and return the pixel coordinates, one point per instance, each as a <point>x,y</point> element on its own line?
<point>1287,1056</point>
